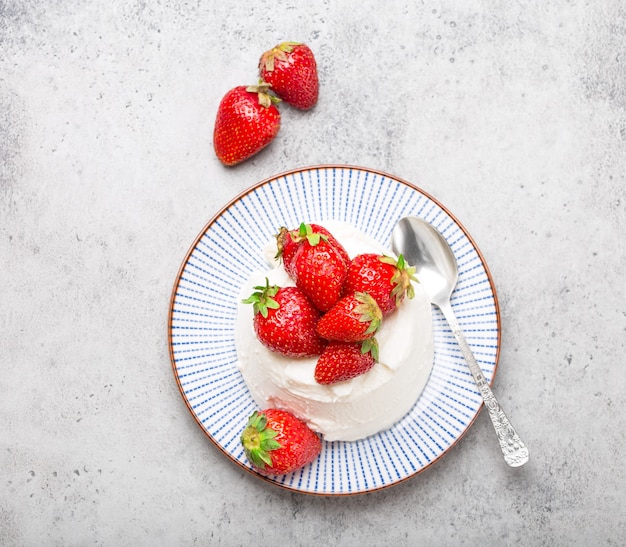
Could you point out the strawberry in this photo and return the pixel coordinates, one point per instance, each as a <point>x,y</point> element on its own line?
<point>285,320</point>
<point>291,70</point>
<point>354,318</point>
<point>345,360</point>
<point>288,241</point>
<point>286,246</point>
<point>276,442</point>
<point>319,271</point>
<point>387,280</point>
<point>247,121</point>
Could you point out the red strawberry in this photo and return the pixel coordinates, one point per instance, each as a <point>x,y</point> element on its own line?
<point>387,280</point>
<point>276,442</point>
<point>284,320</point>
<point>291,69</point>
<point>286,246</point>
<point>333,241</point>
<point>247,121</point>
<point>354,318</point>
<point>345,360</point>
<point>320,271</point>
<point>288,241</point>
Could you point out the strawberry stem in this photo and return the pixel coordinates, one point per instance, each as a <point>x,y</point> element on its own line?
<point>258,440</point>
<point>268,59</point>
<point>280,245</point>
<point>402,278</point>
<point>369,311</point>
<point>370,346</point>
<point>305,231</point>
<point>262,89</point>
<point>262,299</point>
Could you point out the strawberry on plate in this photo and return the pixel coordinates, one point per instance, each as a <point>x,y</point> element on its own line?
<point>342,361</point>
<point>386,279</point>
<point>353,318</point>
<point>288,241</point>
<point>319,271</point>
<point>284,320</point>
<point>291,70</point>
<point>247,121</point>
<point>276,442</point>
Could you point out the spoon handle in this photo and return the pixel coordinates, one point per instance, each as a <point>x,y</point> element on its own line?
<point>513,449</point>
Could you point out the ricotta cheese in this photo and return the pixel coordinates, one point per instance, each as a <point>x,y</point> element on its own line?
<point>356,408</point>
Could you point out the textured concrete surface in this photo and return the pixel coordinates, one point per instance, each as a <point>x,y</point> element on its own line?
<point>511,114</point>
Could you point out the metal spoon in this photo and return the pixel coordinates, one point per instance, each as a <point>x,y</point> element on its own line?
<point>425,248</point>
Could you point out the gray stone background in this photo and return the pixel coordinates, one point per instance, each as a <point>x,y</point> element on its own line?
<point>512,114</point>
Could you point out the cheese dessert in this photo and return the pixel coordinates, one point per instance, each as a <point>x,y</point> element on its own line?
<point>355,408</point>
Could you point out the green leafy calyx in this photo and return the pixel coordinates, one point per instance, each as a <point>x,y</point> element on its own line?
<point>262,89</point>
<point>368,311</point>
<point>280,52</point>
<point>370,346</point>
<point>262,299</point>
<point>258,440</point>
<point>305,231</point>
<point>402,278</point>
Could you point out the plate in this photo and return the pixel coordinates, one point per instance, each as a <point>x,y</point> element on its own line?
<point>203,310</point>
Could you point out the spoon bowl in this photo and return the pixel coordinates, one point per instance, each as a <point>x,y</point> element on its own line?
<point>424,248</point>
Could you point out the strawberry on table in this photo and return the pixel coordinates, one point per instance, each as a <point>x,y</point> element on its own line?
<point>247,121</point>
<point>386,279</point>
<point>284,320</point>
<point>291,69</point>
<point>319,271</point>
<point>276,442</point>
<point>342,361</point>
<point>288,241</point>
<point>354,318</point>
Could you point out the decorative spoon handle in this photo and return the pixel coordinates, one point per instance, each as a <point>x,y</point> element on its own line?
<point>513,449</point>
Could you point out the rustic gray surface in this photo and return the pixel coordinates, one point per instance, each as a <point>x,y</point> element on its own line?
<point>512,115</point>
